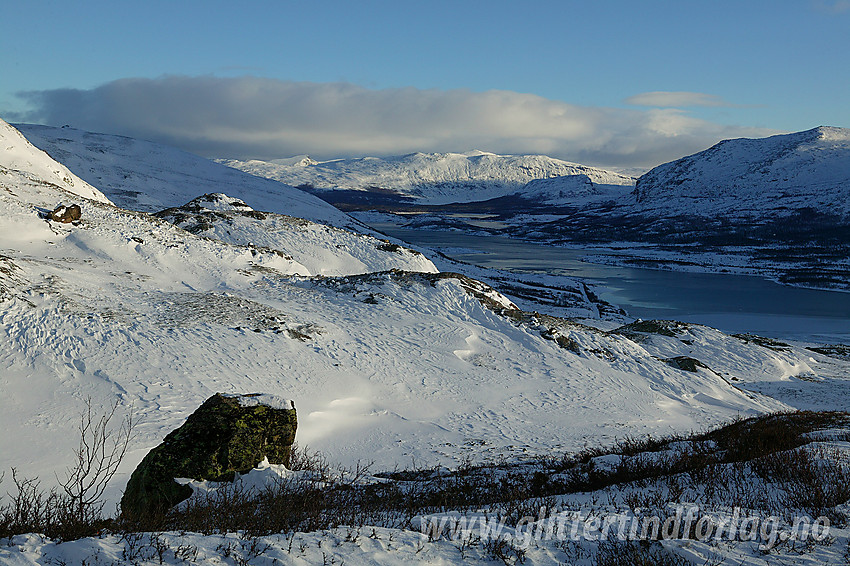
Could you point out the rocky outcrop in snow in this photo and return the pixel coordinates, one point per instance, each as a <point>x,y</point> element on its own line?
<point>228,434</point>
<point>66,214</point>
<point>312,248</point>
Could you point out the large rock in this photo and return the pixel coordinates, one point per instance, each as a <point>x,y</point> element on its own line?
<point>225,435</point>
<point>66,214</point>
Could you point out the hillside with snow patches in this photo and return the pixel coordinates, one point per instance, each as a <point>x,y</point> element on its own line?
<point>777,207</point>
<point>754,177</point>
<point>429,178</point>
<point>313,249</point>
<point>387,367</point>
<point>149,177</point>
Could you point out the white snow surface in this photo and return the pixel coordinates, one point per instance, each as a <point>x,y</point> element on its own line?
<point>573,190</point>
<point>751,177</point>
<point>386,367</point>
<point>19,155</point>
<point>312,248</point>
<point>262,399</point>
<point>434,178</point>
<point>148,177</point>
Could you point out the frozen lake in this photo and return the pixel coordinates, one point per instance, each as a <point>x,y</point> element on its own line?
<point>732,303</point>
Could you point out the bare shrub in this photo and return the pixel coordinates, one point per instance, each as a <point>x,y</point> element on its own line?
<point>75,509</point>
<point>814,479</point>
<point>100,451</point>
<point>636,554</point>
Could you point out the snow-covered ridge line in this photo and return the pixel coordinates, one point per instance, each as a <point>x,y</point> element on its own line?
<point>741,177</point>
<point>148,177</point>
<point>21,156</point>
<point>429,177</point>
<point>312,248</point>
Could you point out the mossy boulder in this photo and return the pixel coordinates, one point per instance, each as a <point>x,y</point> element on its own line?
<point>226,435</point>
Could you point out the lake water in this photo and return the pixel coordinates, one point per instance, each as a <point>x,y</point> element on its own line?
<point>732,303</point>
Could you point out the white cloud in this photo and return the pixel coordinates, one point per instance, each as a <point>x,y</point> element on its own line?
<point>663,99</point>
<point>251,117</point>
<point>833,7</point>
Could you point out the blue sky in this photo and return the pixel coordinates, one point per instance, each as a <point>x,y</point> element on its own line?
<point>617,83</point>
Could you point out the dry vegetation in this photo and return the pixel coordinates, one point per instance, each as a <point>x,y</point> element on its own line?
<point>772,464</point>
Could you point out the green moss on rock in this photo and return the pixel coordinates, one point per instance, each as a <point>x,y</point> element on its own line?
<point>222,437</point>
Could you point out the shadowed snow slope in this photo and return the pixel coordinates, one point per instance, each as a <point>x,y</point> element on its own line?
<point>745,177</point>
<point>573,190</point>
<point>434,178</point>
<point>383,367</point>
<point>149,177</point>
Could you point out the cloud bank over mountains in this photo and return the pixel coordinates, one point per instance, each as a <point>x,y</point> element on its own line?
<point>677,99</point>
<point>261,118</point>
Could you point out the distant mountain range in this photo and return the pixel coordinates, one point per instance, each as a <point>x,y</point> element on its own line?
<point>427,178</point>
<point>742,178</point>
<point>778,206</point>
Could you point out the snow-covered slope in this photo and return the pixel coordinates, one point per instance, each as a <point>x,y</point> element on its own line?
<point>434,178</point>
<point>19,155</point>
<point>314,249</point>
<point>572,190</point>
<point>751,177</point>
<point>148,177</point>
<point>385,367</point>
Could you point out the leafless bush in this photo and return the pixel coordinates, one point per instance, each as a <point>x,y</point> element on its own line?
<point>75,509</point>
<point>636,554</point>
<point>814,479</point>
<point>101,449</point>
<point>504,550</point>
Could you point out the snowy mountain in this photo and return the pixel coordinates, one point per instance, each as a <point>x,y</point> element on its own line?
<point>384,367</point>
<point>430,178</point>
<point>755,177</point>
<point>148,177</point>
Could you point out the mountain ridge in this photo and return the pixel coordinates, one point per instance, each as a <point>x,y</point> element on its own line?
<point>428,178</point>
<point>747,176</point>
<point>120,166</point>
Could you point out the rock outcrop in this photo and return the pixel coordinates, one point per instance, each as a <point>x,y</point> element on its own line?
<point>226,435</point>
<point>66,214</point>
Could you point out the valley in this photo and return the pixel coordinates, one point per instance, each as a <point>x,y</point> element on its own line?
<point>427,345</point>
